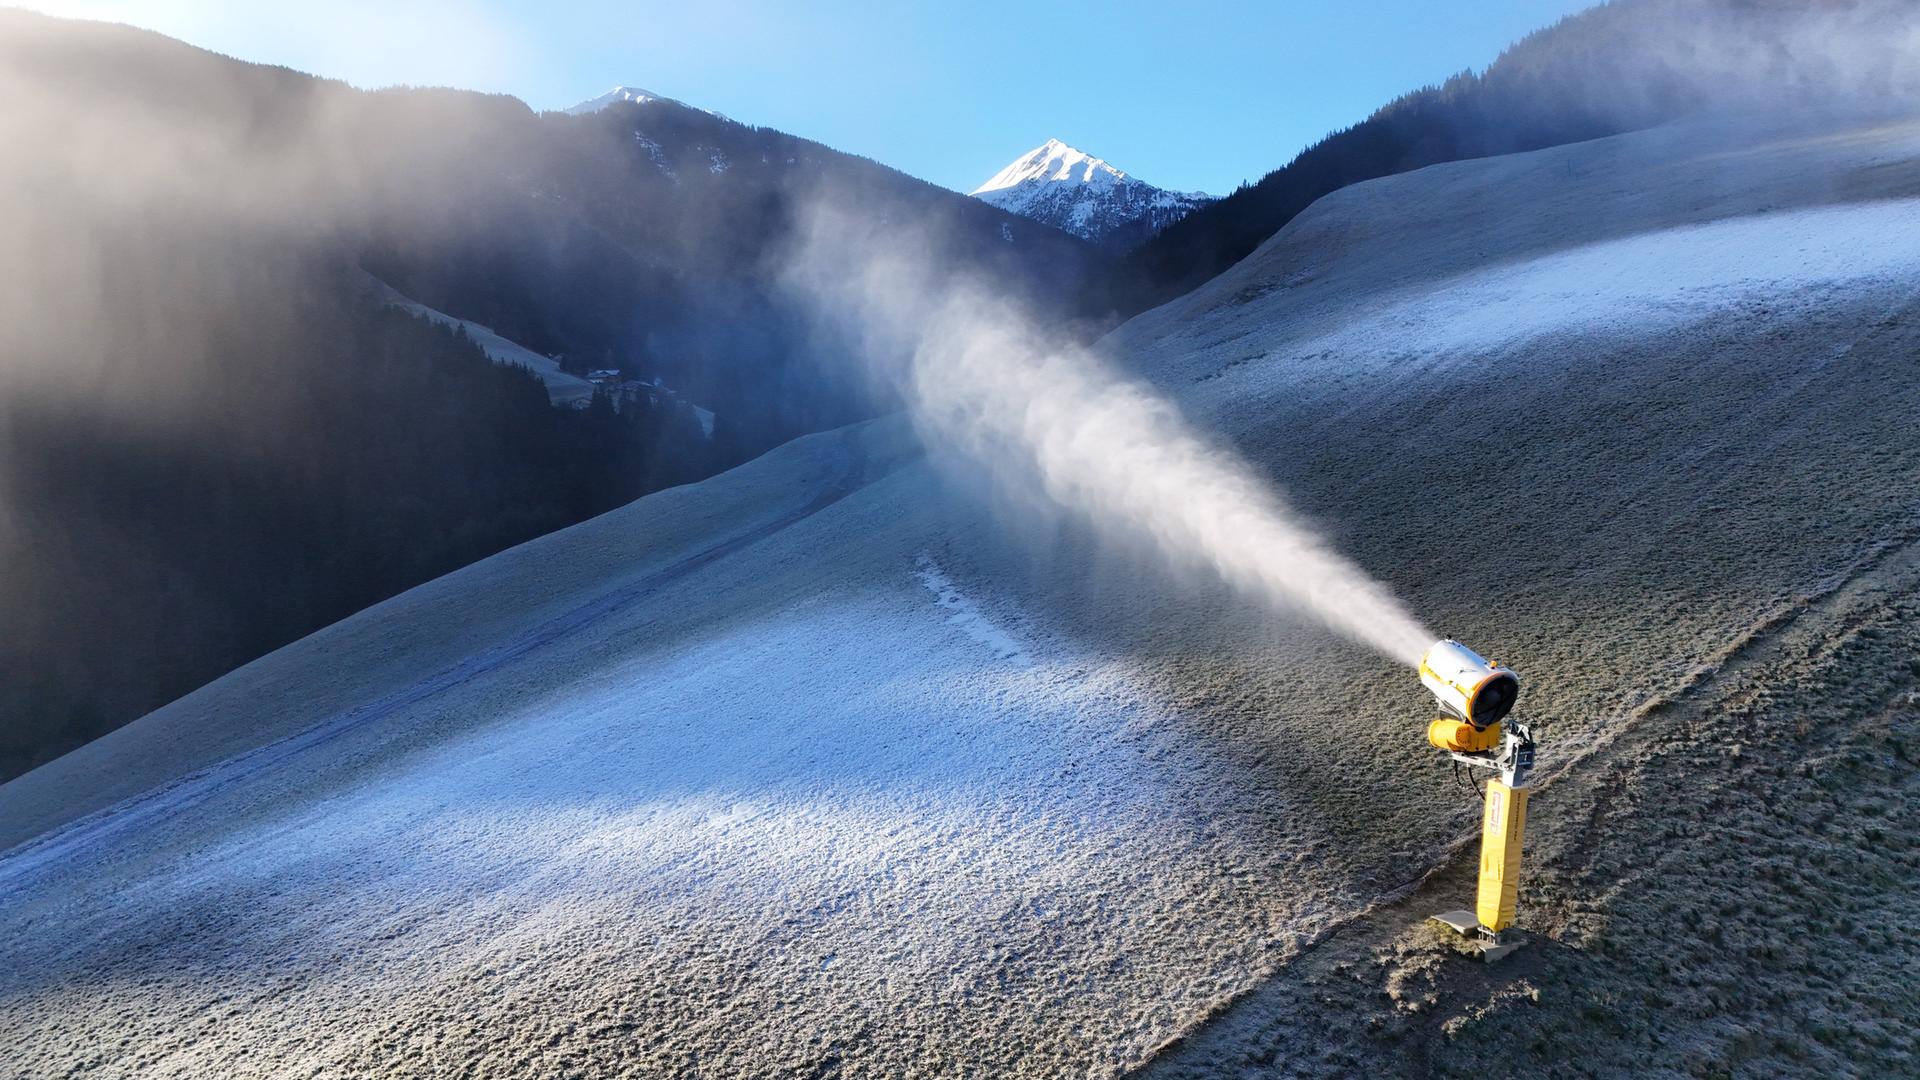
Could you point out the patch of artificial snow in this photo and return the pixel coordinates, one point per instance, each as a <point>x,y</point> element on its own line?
<point>787,822</point>
<point>966,615</point>
<point>1639,286</point>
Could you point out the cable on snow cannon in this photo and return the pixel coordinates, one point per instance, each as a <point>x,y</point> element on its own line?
<point>1477,695</point>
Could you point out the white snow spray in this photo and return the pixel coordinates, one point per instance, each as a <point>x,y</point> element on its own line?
<point>984,378</point>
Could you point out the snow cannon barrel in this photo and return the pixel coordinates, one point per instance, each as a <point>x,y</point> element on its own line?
<point>1468,686</point>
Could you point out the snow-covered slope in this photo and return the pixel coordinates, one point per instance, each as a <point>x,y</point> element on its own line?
<point>820,766</point>
<point>1085,196</point>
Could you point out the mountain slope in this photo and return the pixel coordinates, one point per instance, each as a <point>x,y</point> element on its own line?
<point>1619,66</point>
<point>1085,196</point>
<point>819,765</point>
<point>214,437</point>
<point>634,95</point>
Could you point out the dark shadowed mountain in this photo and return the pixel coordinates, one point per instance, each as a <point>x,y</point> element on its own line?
<point>221,429</point>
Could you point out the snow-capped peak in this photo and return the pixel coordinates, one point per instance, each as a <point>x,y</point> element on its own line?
<point>1082,194</point>
<point>1051,161</point>
<point>637,96</point>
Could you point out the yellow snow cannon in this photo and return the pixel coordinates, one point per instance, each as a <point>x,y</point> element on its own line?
<point>1468,686</point>
<point>1477,696</point>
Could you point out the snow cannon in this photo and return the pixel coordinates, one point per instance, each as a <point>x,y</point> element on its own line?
<point>1469,687</point>
<point>1477,695</point>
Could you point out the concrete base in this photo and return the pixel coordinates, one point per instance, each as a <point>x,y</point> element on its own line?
<point>1467,925</point>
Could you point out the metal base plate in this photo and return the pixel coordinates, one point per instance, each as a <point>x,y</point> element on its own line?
<point>1467,925</point>
<point>1490,953</point>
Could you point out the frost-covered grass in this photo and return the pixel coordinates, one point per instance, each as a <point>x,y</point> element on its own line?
<point>1645,286</point>
<point>1723,892</point>
<point>862,828</point>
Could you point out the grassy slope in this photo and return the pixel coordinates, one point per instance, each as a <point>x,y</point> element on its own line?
<point>1720,891</point>
<point>425,629</point>
<point>783,815</point>
<point>1643,512</point>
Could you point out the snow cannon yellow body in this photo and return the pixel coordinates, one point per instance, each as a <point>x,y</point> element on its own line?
<point>1477,696</point>
<point>1468,686</point>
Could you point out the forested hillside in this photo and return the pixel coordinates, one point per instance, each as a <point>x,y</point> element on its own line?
<point>334,452</point>
<point>1619,66</point>
<point>654,237</point>
<point>217,436</point>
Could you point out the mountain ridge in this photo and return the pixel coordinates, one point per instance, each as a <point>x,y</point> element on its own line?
<point>637,96</point>
<point>1619,66</point>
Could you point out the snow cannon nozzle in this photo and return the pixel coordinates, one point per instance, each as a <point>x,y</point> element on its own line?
<point>1468,685</point>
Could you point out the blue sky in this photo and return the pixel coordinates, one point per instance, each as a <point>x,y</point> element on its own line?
<point>1188,96</point>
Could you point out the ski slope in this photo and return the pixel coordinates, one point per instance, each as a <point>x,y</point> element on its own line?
<point>826,765</point>
<point>562,388</point>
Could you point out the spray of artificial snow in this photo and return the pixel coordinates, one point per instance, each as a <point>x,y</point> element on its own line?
<point>983,378</point>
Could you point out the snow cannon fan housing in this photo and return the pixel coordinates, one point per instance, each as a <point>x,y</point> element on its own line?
<point>1468,686</point>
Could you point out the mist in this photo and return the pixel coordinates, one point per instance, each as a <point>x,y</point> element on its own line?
<point>1635,63</point>
<point>1048,419</point>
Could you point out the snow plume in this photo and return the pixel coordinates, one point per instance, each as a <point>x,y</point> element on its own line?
<point>1045,415</point>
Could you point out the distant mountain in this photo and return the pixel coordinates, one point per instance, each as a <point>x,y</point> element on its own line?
<point>1620,66</point>
<point>631,94</point>
<point>1083,195</point>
